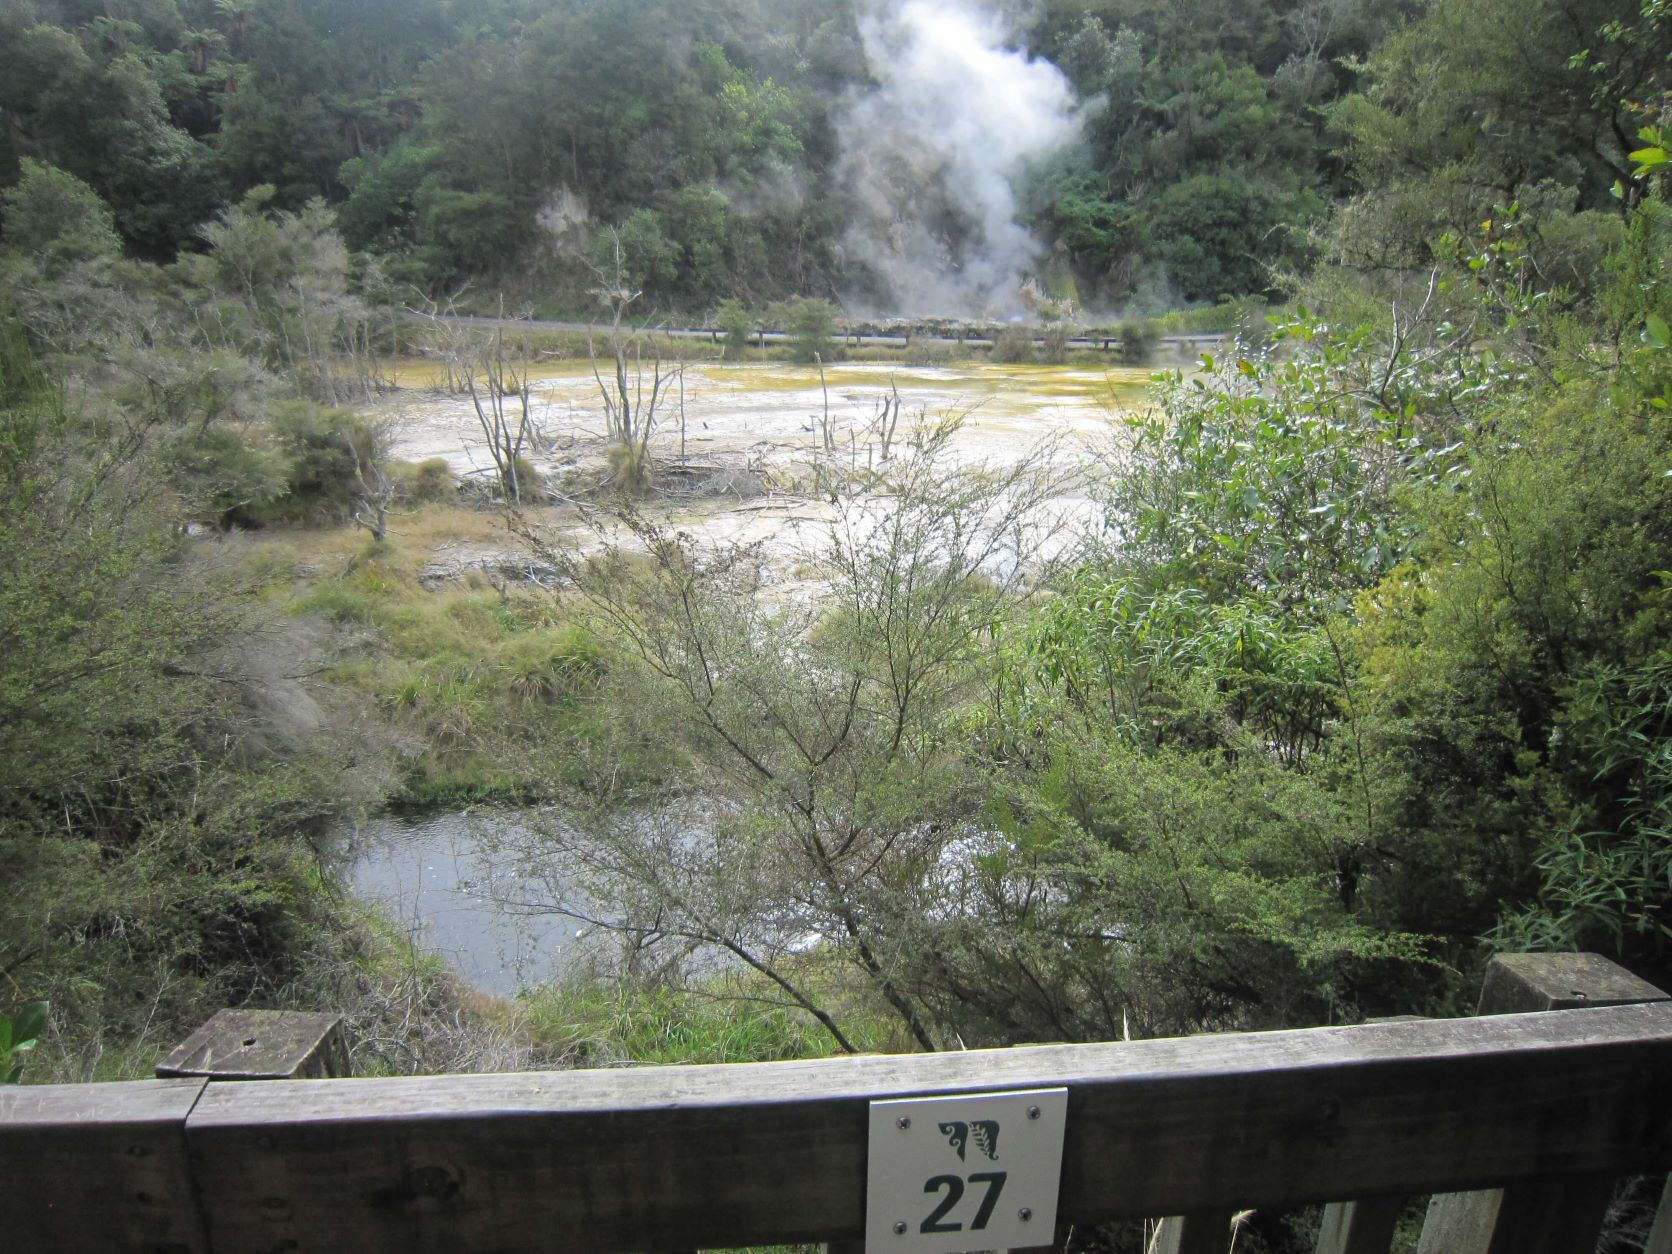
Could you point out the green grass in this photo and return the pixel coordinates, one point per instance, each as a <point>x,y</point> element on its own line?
<point>1235,315</point>
<point>601,1024</point>
<point>339,602</point>
<point>733,1016</point>
<point>488,686</point>
<point>429,787</point>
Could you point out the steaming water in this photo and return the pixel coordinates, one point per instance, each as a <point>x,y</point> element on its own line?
<point>934,151</point>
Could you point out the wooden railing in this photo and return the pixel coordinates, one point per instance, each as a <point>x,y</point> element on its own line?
<point>1541,1110</point>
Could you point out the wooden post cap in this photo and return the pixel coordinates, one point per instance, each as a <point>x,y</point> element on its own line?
<point>262,1045</point>
<point>1526,983</point>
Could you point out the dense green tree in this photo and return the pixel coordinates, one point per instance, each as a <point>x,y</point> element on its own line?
<point>105,122</point>
<point>1205,156</point>
<point>274,287</point>
<point>380,213</point>
<point>811,324</point>
<point>55,219</point>
<point>445,137</point>
<point>1483,103</point>
<point>1224,235</point>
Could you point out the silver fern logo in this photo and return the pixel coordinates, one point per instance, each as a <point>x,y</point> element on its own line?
<point>984,1132</point>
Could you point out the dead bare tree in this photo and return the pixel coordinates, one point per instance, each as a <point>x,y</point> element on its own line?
<point>888,418</point>
<point>448,337</point>
<point>829,437</point>
<point>376,491</point>
<point>1312,26</point>
<point>630,416</point>
<point>494,383</point>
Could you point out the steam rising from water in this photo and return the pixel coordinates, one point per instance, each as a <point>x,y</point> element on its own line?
<point>933,153</point>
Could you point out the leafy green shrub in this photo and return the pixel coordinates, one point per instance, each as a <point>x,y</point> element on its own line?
<point>1138,341</point>
<point>307,465</point>
<point>226,475</point>
<point>1144,657</point>
<point>810,324</point>
<point>325,450</point>
<point>1525,664</point>
<point>427,482</point>
<point>18,1035</point>
<point>1200,890</point>
<point>1607,875</point>
<point>1262,475</point>
<point>738,324</point>
<point>1014,347</point>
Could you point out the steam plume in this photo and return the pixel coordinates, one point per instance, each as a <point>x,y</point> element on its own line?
<point>932,154</point>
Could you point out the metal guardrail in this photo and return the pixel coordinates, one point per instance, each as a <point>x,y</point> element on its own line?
<point>856,338</point>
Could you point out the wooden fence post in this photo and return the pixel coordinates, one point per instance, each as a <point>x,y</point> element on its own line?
<point>1362,1227</point>
<point>1540,1217</point>
<point>1206,1232</point>
<point>262,1045</point>
<point>1660,1236</point>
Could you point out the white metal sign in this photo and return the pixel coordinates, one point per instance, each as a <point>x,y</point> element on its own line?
<point>949,1175</point>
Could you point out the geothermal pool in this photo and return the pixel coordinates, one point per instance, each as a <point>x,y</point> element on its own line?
<point>774,411</point>
<point>762,426</point>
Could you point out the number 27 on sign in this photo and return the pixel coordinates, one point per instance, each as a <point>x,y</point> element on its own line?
<point>953,1187</point>
<point>968,1171</point>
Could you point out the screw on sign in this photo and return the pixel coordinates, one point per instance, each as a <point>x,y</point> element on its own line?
<point>969,1171</point>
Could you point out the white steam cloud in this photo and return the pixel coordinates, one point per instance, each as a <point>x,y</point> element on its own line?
<point>934,151</point>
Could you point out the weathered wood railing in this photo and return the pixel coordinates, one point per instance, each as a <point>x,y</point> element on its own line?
<point>1547,1108</point>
